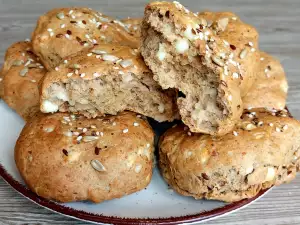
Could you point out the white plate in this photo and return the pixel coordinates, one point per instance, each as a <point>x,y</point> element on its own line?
<point>155,204</point>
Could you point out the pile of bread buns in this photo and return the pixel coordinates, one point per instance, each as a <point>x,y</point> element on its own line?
<point>86,83</point>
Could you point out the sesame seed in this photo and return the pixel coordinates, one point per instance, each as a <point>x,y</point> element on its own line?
<point>253,50</point>
<point>63,25</point>
<point>67,36</point>
<point>234,18</point>
<point>138,116</point>
<point>230,97</point>
<point>148,145</point>
<point>84,130</point>
<point>69,74</point>
<point>49,29</point>
<point>56,68</point>
<point>75,133</point>
<point>76,72</point>
<point>121,72</point>
<point>285,127</point>
<point>89,54</point>
<point>271,124</point>
<point>82,75</point>
<point>96,75</point>
<point>97,133</point>
<point>277,129</point>
<point>65,61</point>
<point>115,67</point>
<point>189,133</point>
<point>125,131</point>
<point>114,123</point>
<point>262,59</point>
<point>235,133</point>
<point>135,124</point>
<point>79,138</point>
<point>235,75</point>
<point>101,134</point>
<point>226,43</point>
<point>250,44</point>
<point>70,12</point>
<point>33,81</point>
<point>243,53</point>
<point>51,34</point>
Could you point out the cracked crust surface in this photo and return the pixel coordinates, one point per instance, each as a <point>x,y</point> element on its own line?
<point>68,158</point>
<point>65,31</point>
<point>211,58</point>
<point>21,76</point>
<point>262,151</point>
<point>106,79</point>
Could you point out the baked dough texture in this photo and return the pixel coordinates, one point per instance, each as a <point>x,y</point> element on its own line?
<point>20,79</point>
<point>262,151</point>
<point>68,158</point>
<point>270,87</point>
<point>211,58</point>
<point>106,79</point>
<point>65,31</point>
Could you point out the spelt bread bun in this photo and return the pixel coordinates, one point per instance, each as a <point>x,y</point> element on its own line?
<point>21,76</point>
<point>262,151</point>
<point>68,158</point>
<point>106,79</point>
<point>210,58</point>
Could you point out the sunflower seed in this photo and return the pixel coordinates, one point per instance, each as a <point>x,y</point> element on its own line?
<point>243,53</point>
<point>23,72</point>
<point>98,52</point>
<point>97,165</point>
<point>18,62</point>
<point>110,58</point>
<point>60,15</point>
<point>222,23</point>
<point>217,60</point>
<point>126,63</point>
<point>89,138</point>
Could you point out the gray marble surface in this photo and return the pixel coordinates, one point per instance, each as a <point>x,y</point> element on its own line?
<point>278,24</point>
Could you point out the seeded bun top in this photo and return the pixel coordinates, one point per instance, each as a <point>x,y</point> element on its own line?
<point>65,31</point>
<point>71,158</point>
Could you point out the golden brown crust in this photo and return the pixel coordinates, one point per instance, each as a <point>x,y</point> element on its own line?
<point>109,79</point>
<point>54,155</point>
<point>270,86</point>
<point>225,48</point>
<point>262,151</point>
<point>21,76</point>
<point>65,31</point>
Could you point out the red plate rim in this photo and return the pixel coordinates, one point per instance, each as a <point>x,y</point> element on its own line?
<point>98,218</point>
